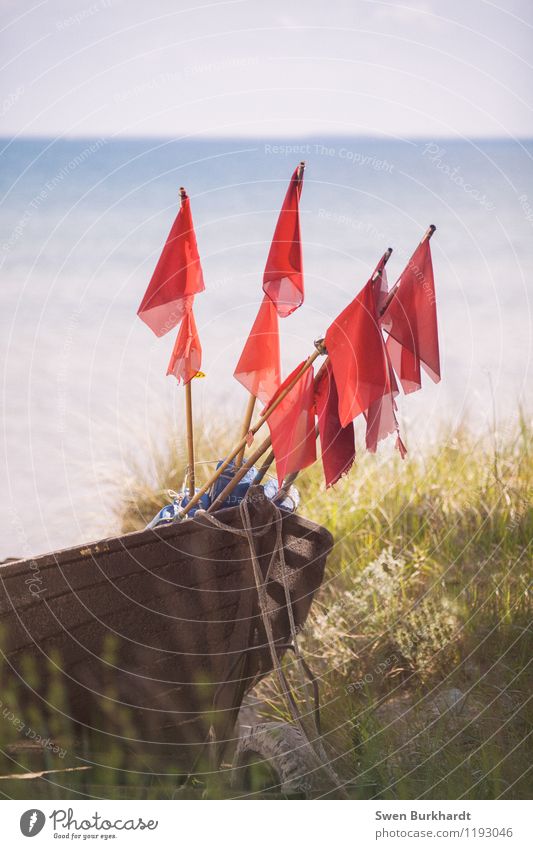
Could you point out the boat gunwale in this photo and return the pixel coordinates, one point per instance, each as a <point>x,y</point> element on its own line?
<point>83,552</point>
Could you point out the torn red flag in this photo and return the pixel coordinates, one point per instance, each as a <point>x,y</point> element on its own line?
<point>177,276</point>
<point>411,322</point>
<point>186,359</point>
<point>292,425</point>
<point>357,352</point>
<point>283,279</point>
<point>337,443</point>
<point>259,368</point>
<point>381,418</point>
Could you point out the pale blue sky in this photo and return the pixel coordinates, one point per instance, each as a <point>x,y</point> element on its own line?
<point>256,68</point>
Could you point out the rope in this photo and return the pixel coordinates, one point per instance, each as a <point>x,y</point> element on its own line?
<point>278,552</point>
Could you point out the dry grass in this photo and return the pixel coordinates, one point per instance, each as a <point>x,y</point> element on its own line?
<point>421,634</point>
<point>146,488</point>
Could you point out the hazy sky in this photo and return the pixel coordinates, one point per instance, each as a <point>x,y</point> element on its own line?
<point>276,68</point>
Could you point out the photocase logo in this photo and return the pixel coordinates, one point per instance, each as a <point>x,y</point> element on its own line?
<point>32,822</point>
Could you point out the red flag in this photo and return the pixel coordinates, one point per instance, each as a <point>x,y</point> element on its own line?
<point>186,359</point>
<point>337,442</point>
<point>259,367</point>
<point>357,352</point>
<point>380,417</point>
<point>292,426</point>
<point>283,279</point>
<point>411,322</point>
<point>176,279</point>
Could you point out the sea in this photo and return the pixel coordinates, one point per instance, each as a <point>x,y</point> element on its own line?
<point>84,391</point>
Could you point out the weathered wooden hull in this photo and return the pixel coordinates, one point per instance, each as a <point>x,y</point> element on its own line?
<point>153,637</point>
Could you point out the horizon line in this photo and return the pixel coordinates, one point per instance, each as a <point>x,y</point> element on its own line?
<point>267,137</point>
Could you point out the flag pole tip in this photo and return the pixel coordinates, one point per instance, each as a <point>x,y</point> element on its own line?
<point>429,232</point>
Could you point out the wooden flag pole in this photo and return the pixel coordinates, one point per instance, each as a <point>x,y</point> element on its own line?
<point>286,485</point>
<point>260,474</point>
<point>251,402</point>
<point>246,428</point>
<point>244,469</point>
<point>386,257</point>
<point>191,476</point>
<point>265,466</point>
<point>266,415</point>
<point>267,443</point>
<point>427,235</point>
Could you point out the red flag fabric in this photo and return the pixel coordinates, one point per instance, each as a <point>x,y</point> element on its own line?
<point>292,426</point>
<point>259,368</point>
<point>380,417</point>
<point>411,322</point>
<point>283,279</point>
<point>380,283</point>
<point>186,359</point>
<point>337,443</point>
<point>358,356</point>
<point>176,279</point>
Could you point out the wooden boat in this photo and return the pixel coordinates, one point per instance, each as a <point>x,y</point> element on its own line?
<point>162,627</point>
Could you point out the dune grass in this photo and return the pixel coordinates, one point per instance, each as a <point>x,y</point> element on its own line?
<point>421,635</point>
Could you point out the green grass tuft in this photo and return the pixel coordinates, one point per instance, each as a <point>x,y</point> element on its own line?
<point>421,634</point>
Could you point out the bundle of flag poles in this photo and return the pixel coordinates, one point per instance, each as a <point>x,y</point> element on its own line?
<point>380,342</point>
